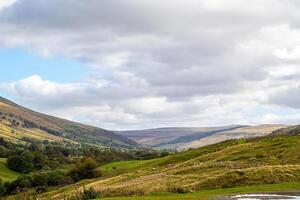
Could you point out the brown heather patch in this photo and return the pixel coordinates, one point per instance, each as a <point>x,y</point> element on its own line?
<point>252,176</point>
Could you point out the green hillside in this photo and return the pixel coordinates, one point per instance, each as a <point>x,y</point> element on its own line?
<point>214,194</point>
<point>18,124</point>
<point>6,174</point>
<point>235,163</point>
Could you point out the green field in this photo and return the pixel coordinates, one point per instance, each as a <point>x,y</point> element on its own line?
<point>5,173</point>
<point>210,194</point>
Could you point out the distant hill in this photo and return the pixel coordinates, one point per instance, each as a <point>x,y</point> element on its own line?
<point>19,124</point>
<point>193,137</point>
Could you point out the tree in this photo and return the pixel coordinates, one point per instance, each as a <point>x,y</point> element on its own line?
<point>3,152</point>
<point>26,161</point>
<point>86,169</point>
<point>40,179</point>
<point>39,160</point>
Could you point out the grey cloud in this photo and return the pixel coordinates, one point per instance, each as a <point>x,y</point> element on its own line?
<point>169,49</point>
<point>288,97</point>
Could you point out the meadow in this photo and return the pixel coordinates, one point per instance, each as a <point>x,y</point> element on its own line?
<point>214,194</point>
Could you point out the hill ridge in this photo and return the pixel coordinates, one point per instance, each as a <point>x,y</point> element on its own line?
<point>19,118</point>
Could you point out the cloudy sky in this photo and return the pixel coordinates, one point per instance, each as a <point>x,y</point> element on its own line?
<point>128,64</point>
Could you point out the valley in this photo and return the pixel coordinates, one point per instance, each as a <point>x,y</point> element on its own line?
<point>250,163</point>
<point>208,162</point>
<point>181,138</point>
<point>149,100</point>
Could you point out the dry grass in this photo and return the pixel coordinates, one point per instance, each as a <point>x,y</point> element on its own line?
<point>234,163</point>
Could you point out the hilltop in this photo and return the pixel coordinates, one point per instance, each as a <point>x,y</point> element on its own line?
<point>19,124</point>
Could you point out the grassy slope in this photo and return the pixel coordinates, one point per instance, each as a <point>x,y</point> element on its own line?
<point>210,194</point>
<point>31,124</point>
<point>271,160</point>
<point>16,135</point>
<point>5,173</point>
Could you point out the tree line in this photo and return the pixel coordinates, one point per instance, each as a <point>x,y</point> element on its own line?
<point>41,162</point>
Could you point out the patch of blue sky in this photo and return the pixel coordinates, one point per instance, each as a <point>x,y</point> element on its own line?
<point>16,64</point>
<point>263,110</point>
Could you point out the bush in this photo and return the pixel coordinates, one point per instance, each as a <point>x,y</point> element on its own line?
<point>41,189</point>
<point>56,178</point>
<point>86,194</point>
<point>40,180</point>
<point>89,194</point>
<point>121,192</point>
<point>20,163</point>
<point>164,153</point>
<point>86,169</point>
<point>20,184</point>
<point>179,190</point>
<point>3,152</point>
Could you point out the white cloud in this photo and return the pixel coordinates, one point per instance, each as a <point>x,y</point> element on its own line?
<point>6,3</point>
<point>181,63</point>
<point>293,54</point>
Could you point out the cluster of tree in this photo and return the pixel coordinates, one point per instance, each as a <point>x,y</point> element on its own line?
<point>39,162</point>
<point>111,155</point>
<point>26,161</point>
<point>9,145</point>
<point>35,157</point>
<point>50,155</point>
<point>86,168</point>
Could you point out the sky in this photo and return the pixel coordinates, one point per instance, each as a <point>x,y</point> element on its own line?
<point>133,64</point>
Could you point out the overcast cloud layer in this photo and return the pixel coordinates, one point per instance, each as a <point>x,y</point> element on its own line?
<point>161,62</point>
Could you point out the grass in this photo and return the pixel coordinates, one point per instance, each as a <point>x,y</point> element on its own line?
<point>16,135</point>
<point>17,122</point>
<point>116,168</point>
<point>6,174</point>
<point>210,194</point>
<point>208,170</point>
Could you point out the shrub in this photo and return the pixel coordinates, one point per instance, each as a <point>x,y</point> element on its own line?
<point>89,194</point>
<point>3,152</point>
<point>40,180</point>
<point>40,189</point>
<point>86,169</point>
<point>164,153</point>
<point>179,190</point>
<point>55,178</point>
<point>20,184</point>
<point>121,192</point>
<point>86,194</point>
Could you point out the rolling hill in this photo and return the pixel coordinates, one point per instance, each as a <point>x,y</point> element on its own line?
<point>19,124</point>
<point>194,137</point>
<point>269,160</point>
